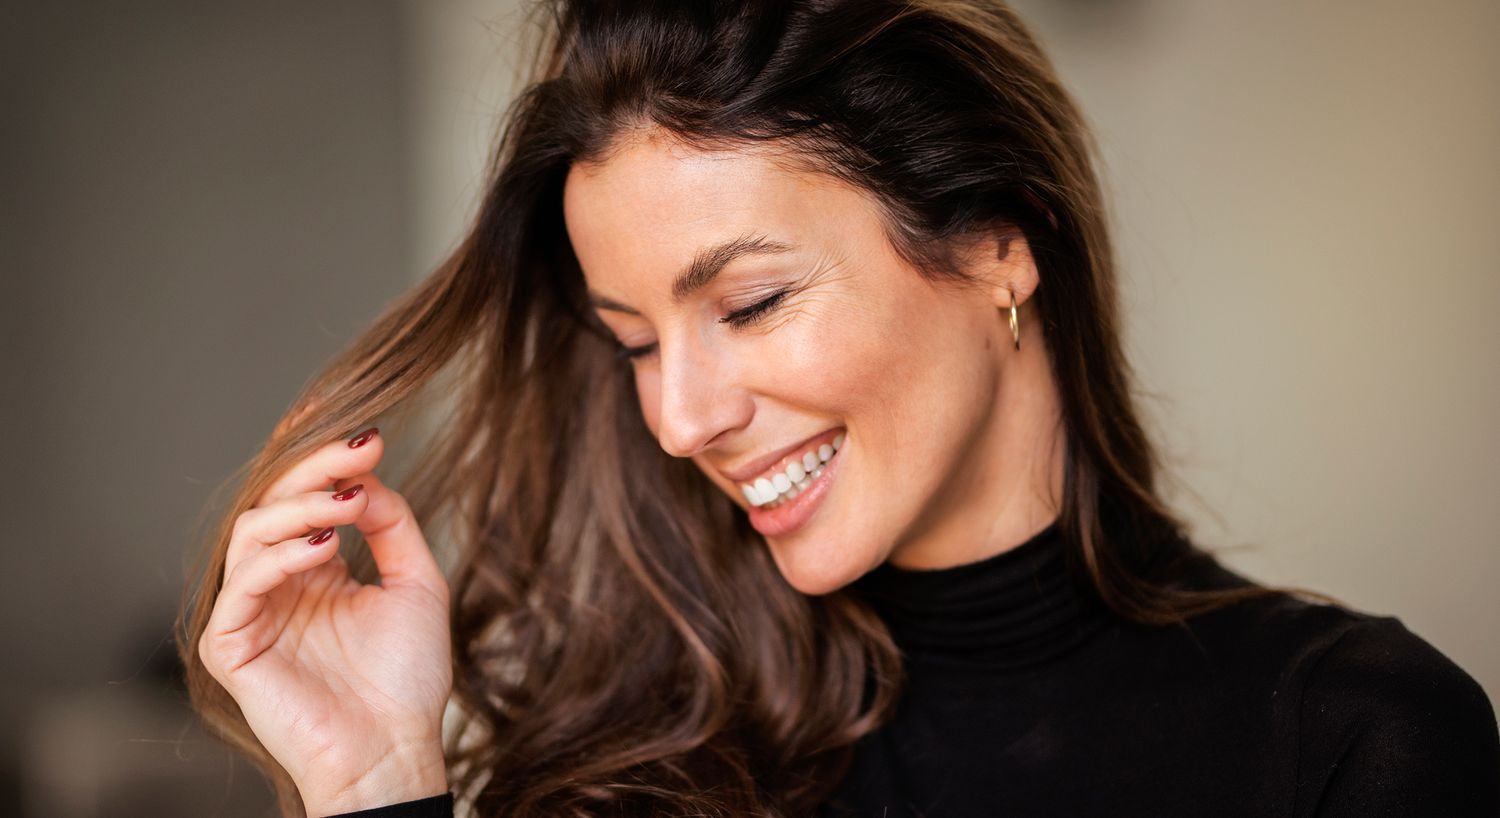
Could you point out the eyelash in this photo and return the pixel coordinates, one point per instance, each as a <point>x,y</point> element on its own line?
<point>739,319</point>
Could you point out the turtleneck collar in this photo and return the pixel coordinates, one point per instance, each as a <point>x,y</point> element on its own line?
<point>1014,609</point>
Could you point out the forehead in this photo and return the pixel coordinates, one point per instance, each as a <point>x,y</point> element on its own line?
<point>653,201</point>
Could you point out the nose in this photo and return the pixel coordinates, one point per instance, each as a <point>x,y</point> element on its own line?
<point>701,397</point>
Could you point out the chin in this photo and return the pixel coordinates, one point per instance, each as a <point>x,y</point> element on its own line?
<point>815,571</point>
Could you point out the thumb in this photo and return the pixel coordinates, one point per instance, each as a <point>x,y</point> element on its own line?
<point>401,552</point>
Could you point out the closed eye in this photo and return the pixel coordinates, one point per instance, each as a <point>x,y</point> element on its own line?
<point>749,315</point>
<point>631,353</point>
<point>739,319</point>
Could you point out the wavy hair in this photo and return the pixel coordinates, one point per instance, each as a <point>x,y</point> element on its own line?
<point>623,643</point>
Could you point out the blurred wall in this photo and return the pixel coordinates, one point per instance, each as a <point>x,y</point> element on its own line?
<point>463,67</point>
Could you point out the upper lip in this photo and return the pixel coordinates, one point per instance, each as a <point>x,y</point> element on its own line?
<point>751,469</point>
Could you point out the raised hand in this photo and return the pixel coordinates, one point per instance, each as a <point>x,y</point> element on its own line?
<point>343,683</point>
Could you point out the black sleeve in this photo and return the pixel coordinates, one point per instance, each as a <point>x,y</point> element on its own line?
<point>1392,727</point>
<point>438,806</point>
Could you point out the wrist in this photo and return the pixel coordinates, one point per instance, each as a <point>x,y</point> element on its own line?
<point>406,774</point>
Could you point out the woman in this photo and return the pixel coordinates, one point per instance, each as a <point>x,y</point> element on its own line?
<point>795,470</point>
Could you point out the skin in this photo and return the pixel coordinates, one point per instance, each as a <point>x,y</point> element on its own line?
<point>954,444</point>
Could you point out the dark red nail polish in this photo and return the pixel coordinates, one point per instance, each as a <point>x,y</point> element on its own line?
<point>321,537</point>
<point>348,493</point>
<point>363,437</point>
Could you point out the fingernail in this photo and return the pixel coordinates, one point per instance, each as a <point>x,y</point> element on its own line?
<point>321,537</point>
<point>348,493</point>
<point>363,437</point>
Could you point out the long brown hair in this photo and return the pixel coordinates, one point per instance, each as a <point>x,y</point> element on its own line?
<point>623,643</point>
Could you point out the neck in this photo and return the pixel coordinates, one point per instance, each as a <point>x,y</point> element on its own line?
<point>1014,610</point>
<point>1012,487</point>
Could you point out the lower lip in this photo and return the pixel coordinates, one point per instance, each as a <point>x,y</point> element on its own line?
<point>794,513</point>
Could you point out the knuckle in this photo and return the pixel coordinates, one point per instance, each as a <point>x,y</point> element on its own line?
<point>237,531</point>
<point>399,501</point>
<point>210,657</point>
<point>246,524</point>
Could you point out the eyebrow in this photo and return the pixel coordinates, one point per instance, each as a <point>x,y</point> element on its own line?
<point>706,264</point>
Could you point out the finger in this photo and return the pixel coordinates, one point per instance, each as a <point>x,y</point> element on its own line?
<point>291,419</point>
<point>327,464</point>
<point>265,526</point>
<point>243,597</point>
<point>396,541</point>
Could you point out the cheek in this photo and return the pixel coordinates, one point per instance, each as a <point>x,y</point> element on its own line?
<point>869,360</point>
<point>906,372</point>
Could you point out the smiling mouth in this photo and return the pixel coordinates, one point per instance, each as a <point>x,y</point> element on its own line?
<point>781,485</point>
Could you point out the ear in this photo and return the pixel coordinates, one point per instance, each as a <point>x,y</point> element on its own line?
<point>1002,259</point>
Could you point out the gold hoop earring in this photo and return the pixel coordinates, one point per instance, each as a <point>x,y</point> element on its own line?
<point>1015,324</point>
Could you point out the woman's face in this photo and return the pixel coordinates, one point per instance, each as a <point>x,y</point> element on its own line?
<point>773,320</point>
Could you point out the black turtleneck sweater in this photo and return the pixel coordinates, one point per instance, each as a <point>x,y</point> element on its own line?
<point>1025,697</point>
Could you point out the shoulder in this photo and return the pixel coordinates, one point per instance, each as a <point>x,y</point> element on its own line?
<point>1376,664</point>
<point>1391,725</point>
<point>1384,722</point>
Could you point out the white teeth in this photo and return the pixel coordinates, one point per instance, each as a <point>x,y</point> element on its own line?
<point>794,480</point>
<point>766,491</point>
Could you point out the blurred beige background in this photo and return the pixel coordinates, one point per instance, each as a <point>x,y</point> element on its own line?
<point>201,202</point>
